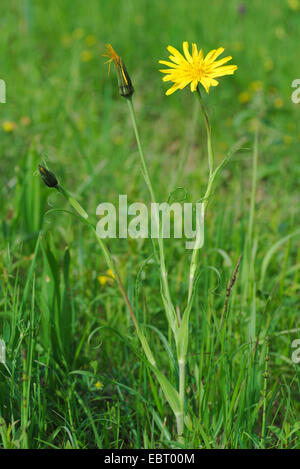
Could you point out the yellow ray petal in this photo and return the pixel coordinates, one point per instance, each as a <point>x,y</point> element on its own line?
<point>218,63</point>
<point>194,85</point>
<point>195,51</point>
<point>187,52</point>
<point>175,52</point>
<point>169,64</point>
<point>205,84</point>
<point>226,70</point>
<point>213,54</point>
<point>174,59</point>
<point>172,90</point>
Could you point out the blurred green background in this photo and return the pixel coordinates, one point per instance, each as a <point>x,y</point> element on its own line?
<point>63,109</point>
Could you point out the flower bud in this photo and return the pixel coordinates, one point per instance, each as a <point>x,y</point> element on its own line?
<point>125,85</point>
<point>48,177</point>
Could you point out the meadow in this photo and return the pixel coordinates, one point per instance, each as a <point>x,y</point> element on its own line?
<point>75,374</point>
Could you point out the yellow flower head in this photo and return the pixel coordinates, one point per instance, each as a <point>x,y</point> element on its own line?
<point>98,385</point>
<point>294,4</point>
<point>244,97</point>
<point>86,56</point>
<point>288,139</point>
<point>195,68</point>
<point>278,103</point>
<point>9,126</point>
<point>108,278</point>
<point>125,84</point>
<point>90,40</point>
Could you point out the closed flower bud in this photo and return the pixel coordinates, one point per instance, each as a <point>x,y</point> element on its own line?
<point>48,177</point>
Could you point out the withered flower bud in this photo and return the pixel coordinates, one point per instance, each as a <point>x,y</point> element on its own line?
<point>48,177</point>
<point>125,84</point>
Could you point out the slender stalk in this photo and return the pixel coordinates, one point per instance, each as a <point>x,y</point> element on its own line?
<point>208,130</point>
<point>199,241</point>
<point>170,310</point>
<point>253,188</point>
<point>72,201</point>
<point>195,254</point>
<point>194,264</point>
<point>264,414</point>
<point>180,417</point>
<point>169,307</point>
<point>212,175</point>
<point>189,135</point>
<point>111,265</point>
<point>140,148</point>
<point>180,426</point>
<point>113,268</point>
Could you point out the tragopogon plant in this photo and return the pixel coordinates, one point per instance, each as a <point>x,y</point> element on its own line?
<point>193,69</point>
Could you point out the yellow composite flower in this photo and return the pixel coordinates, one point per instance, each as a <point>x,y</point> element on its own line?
<point>194,68</point>
<point>98,385</point>
<point>109,277</point>
<point>86,56</point>
<point>9,126</point>
<point>244,97</point>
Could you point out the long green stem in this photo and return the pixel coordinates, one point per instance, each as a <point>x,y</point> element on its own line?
<point>199,241</point>
<point>265,388</point>
<point>111,265</point>
<point>195,254</point>
<point>180,418</point>
<point>208,130</point>
<point>72,201</point>
<point>184,333</point>
<point>113,268</point>
<point>188,140</point>
<point>169,307</point>
<point>170,310</point>
<point>211,178</point>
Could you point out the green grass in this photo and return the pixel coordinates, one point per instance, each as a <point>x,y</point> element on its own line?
<point>64,332</point>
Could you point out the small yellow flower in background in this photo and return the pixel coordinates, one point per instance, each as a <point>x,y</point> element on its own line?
<point>86,56</point>
<point>278,103</point>
<point>294,4</point>
<point>90,40</point>
<point>107,278</point>
<point>280,32</point>
<point>193,69</point>
<point>98,385</point>
<point>244,97</point>
<point>125,84</point>
<point>256,85</point>
<point>9,126</point>
<point>269,65</point>
<point>287,139</point>
<point>110,273</point>
<point>102,279</point>
<point>78,33</point>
